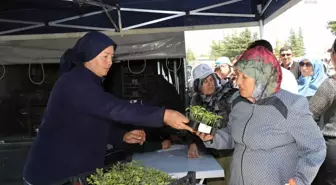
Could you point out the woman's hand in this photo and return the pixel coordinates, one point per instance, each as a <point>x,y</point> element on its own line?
<point>134,137</point>
<point>291,182</point>
<point>204,137</point>
<point>166,144</point>
<point>193,151</point>
<point>176,120</point>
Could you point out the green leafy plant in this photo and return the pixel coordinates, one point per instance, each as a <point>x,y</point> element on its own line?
<point>200,114</point>
<point>133,173</point>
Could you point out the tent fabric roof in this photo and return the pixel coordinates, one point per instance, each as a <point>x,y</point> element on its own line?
<point>20,17</point>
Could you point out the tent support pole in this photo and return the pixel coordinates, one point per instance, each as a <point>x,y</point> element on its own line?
<point>264,9</point>
<point>222,14</point>
<point>261,22</point>
<point>261,29</point>
<point>154,21</point>
<point>110,19</point>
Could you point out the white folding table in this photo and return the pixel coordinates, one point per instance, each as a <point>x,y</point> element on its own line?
<point>175,162</point>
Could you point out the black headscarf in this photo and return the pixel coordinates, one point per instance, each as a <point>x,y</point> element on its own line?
<point>85,49</point>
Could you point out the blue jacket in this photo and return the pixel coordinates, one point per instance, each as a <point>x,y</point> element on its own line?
<point>76,126</point>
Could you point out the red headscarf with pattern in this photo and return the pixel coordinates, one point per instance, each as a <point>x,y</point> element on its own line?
<point>261,65</point>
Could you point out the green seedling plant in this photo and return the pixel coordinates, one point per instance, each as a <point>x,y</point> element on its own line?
<point>133,173</point>
<point>200,114</point>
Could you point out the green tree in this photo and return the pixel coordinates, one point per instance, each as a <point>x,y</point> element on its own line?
<point>278,45</point>
<point>190,55</point>
<point>232,45</point>
<point>300,47</point>
<point>296,41</point>
<point>332,27</point>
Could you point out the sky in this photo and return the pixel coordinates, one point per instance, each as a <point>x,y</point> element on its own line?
<point>311,17</point>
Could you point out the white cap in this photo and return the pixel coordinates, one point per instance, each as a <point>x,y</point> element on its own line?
<point>202,71</point>
<point>223,61</point>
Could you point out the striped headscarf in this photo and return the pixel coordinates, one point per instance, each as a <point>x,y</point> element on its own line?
<point>261,65</point>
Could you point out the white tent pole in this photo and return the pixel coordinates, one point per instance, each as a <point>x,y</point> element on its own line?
<point>154,21</point>
<point>266,6</point>
<point>119,20</point>
<point>110,18</point>
<point>19,21</point>
<point>78,16</point>
<point>216,5</point>
<point>21,29</point>
<point>150,11</point>
<point>52,23</point>
<point>261,22</point>
<point>222,14</point>
<point>82,27</point>
<point>94,3</point>
<point>261,29</point>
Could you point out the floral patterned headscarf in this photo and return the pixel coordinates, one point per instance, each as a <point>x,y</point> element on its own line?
<point>261,65</point>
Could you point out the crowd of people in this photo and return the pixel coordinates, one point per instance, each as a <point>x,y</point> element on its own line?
<point>278,126</point>
<point>282,127</point>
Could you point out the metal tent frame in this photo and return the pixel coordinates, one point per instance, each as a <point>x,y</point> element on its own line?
<point>139,28</point>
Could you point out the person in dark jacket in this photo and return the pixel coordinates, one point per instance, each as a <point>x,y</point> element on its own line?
<point>76,126</point>
<point>287,61</point>
<point>216,98</point>
<point>159,92</point>
<point>323,105</point>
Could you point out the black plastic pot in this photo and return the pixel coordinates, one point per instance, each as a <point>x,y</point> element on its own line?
<point>195,125</point>
<point>213,131</point>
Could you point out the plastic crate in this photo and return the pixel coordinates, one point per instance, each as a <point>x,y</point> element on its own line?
<point>189,179</point>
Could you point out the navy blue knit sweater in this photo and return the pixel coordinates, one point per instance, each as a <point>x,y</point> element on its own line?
<point>75,130</point>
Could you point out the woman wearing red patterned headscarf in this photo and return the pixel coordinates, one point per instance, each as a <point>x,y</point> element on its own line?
<point>275,139</point>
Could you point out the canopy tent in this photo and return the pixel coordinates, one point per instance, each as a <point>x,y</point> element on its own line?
<point>28,27</point>
<point>21,17</point>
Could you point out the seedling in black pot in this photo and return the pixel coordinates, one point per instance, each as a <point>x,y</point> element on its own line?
<point>203,120</point>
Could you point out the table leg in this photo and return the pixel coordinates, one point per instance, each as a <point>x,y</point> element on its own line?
<point>201,181</point>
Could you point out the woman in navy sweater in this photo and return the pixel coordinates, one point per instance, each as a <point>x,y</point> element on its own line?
<point>76,126</point>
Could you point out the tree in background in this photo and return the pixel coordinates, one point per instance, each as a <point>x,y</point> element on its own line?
<point>190,55</point>
<point>300,48</point>
<point>278,46</point>
<point>232,45</point>
<point>296,41</point>
<point>332,27</point>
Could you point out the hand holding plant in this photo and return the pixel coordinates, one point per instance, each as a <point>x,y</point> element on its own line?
<point>204,137</point>
<point>134,137</point>
<point>291,182</point>
<point>203,120</point>
<point>176,120</point>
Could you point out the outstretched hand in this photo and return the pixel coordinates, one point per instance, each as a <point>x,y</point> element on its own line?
<point>176,120</point>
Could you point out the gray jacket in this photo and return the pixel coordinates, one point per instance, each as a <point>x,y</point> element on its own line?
<point>274,140</point>
<point>323,104</point>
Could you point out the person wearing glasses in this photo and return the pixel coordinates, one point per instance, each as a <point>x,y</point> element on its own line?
<point>312,76</point>
<point>323,104</point>
<point>287,62</point>
<point>288,83</point>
